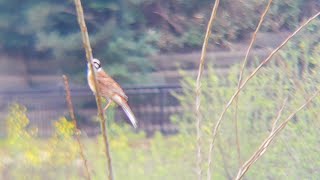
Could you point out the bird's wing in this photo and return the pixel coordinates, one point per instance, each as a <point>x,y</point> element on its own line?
<point>111,89</point>
<point>108,87</point>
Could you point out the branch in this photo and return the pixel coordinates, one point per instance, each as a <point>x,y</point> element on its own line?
<point>87,47</point>
<point>216,128</point>
<point>266,143</point>
<point>254,35</point>
<point>275,120</point>
<point>198,87</point>
<point>74,121</point>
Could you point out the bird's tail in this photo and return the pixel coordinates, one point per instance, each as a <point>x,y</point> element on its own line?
<point>127,110</point>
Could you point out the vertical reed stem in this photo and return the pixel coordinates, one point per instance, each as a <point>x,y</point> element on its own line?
<point>87,47</point>
<point>198,88</point>
<point>74,121</point>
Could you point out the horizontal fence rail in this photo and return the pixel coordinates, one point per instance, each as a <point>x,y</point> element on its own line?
<point>152,105</point>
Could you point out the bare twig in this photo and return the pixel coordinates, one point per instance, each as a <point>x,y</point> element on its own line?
<point>74,121</point>
<point>266,143</point>
<point>215,130</point>
<point>275,120</point>
<point>254,35</point>
<point>198,87</point>
<point>87,47</point>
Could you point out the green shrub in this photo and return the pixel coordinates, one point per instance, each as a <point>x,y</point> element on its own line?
<point>294,75</point>
<point>25,155</point>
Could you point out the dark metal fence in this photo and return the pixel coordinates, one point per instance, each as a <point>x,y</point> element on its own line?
<point>152,105</point>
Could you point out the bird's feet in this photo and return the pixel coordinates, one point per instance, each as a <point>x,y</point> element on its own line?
<point>105,108</point>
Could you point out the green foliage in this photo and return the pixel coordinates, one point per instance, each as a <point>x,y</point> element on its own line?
<point>284,15</point>
<point>57,157</point>
<point>294,75</point>
<point>49,30</point>
<point>124,33</point>
<point>294,154</point>
<point>30,26</point>
<point>236,20</point>
<point>27,156</point>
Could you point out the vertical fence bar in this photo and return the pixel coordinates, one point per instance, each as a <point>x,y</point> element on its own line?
<point>162,104</point>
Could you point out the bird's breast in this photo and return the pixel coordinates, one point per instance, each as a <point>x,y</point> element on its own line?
<point>91,81</point>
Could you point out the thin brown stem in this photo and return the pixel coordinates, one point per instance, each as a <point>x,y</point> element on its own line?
<point>198,87</point>
<point>216,128</point>
<point>253,39</point>
<point>266,143</point>
<point>254,36</point>
<point>87,47</point>
<point>275,120</point>
<point>74,121</point>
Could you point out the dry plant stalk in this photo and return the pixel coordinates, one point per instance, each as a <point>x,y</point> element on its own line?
<point>87,47</point>
<point>254,35</point>
<point>254,72</point>
<point>266,143</point>
<point>275,120</point>
<point>74,121</point>
<point>198,88</point>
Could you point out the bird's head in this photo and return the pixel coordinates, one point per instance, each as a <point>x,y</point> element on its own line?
<point>96,64</point>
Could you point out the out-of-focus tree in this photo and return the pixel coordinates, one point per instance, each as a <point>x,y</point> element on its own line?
<point>125,32</point>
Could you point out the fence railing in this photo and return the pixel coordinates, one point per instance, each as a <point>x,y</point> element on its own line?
<point>152,105</point>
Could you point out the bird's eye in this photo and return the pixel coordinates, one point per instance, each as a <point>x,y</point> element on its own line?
<point>96,65</point>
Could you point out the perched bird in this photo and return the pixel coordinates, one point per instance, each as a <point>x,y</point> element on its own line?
<point>109,89</point>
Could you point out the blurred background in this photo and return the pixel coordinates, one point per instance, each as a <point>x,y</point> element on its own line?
<point>152,48</point>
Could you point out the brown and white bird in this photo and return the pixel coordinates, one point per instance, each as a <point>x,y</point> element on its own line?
<point>109,89</point>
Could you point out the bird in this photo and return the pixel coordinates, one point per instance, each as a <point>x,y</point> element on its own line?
<point>109,89</point>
